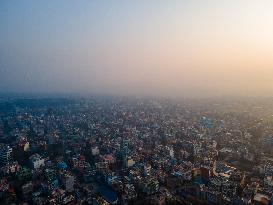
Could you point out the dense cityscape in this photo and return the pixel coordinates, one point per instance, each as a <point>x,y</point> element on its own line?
<point>120,150</point>
<point>136,102</point>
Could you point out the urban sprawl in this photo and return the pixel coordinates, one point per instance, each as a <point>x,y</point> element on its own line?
<point>119,150</point>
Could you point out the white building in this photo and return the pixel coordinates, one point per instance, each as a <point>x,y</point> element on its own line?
<point>37,161</point>
<point>170,151</point>
<point>5,154</point>
<point>95,151</point>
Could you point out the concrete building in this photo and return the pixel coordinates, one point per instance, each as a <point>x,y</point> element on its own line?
<point>95,151</point>
<point>11,167</point>
<point>5,154</point>
<point>68,181</point>
<point>36,161</point>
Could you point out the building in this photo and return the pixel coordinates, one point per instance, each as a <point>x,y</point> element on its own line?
<point>147,169</point>
<point>5,154</point>
<point>68,181</point>
<point>130,162</point>
<point>95,151</point>
<point>170,151</point>
<point>24,174</point>
<point>260,199</point>
<point>205,173</point>
<point>27,188</point>
<point>62,165</point>
<point>50,174</point>
<point>11,167</point>
<point>36,161</point>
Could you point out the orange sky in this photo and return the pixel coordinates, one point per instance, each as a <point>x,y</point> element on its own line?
<point>173,48</point>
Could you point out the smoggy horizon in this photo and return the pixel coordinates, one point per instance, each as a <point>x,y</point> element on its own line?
<point>200,48</point>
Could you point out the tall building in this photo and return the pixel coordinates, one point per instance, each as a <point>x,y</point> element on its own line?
<point>68,181</point>
<point>5,154</point>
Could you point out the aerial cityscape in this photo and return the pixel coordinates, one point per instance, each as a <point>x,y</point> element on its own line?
<point>118,150</point>
<point>136,102</point>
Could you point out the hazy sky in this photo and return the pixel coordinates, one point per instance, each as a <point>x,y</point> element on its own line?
<point>168,47</point>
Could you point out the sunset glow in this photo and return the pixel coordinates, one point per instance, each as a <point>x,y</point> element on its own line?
<point>172,48</point>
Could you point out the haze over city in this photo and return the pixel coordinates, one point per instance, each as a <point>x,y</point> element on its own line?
<point>145,102</point>
<point>167,48</point>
